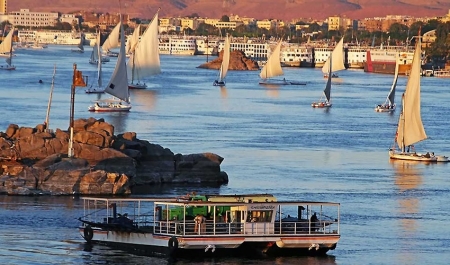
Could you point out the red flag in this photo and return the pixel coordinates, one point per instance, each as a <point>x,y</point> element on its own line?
<point>78,79</point>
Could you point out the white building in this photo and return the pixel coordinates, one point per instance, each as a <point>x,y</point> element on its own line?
<point>69,18</point>
<point>32,19</point>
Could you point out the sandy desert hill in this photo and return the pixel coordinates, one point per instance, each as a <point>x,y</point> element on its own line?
<point>260,9</point>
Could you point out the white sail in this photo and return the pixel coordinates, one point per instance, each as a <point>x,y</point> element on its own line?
<point>133,40</point>
<point>410,128</point>
<point>273,66</point>
<point>113,39</point>
<point>338,59</point>
<point>327,90</point>
<point>118,85</point>
<point>144,61</point>
<point>225,60</point>
<point>81,44</point>
<point>6,45</point>
<point>391,96</point>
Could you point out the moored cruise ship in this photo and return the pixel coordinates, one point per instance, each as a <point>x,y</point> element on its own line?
<point>383,59</point>
<point>321,55</point>
<point>177,46</point>
<point>297,55</point>
<point>206,46</point>
<point>60,37</point>
<point>355,56</point>
<point>257,50</point>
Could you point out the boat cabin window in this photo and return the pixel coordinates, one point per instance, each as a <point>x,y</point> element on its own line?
<point>259,216</point>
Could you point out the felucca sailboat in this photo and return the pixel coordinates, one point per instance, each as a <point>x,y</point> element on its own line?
<point>144,60</point>
<point>273,69</point>
<point>338,60</point>
<point>389,104</point>
<point>6,48</point>
<point>225,63</point>
<point>326,91</point>
<point>410,128</point>
<point>118,84</point>
<point>99,88</point>
<point>112,42</point>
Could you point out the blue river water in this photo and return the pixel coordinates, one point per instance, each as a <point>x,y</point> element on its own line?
<point>272,142</point>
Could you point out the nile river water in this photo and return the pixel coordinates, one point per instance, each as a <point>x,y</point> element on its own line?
<point>272,142</point>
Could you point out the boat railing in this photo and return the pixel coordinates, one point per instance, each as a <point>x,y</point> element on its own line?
<point>170,217</point>
<point>190,228</point>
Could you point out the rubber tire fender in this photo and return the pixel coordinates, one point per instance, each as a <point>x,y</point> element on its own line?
<point>173,246</point>
<point>88,233</point>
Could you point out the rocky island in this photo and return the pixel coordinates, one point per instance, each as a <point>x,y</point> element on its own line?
<point>238,61</point>
<point>34,161</point>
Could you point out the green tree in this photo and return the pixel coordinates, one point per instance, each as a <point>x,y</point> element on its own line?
<point>398,31</point>
<point>225,18</point>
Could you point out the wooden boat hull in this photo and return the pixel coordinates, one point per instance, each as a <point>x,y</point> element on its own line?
<point>384,108</point>
<point>321,104</point>
<point>137,86</point>
<point>123,108</point>
<point>203,246</point>
<point>218,83</point>
<point>94,91</point>
<point>412,157</point>
<point>7,68</point>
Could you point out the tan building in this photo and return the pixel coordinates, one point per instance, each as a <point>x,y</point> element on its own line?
<point>167,22</point>
<point>337,23</point>
<point>229,25</point>
<point>191,23</point>
<point>334,23</point>
<point>266,24</point>
<point>3,6</point>
<point>211,21</point>
<point>373,24</point>
<point>33,19</point>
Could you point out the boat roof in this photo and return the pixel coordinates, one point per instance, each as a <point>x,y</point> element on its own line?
<point>176,201</point>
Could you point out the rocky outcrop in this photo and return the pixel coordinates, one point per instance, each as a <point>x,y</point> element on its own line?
<point>34,161</point>
<point>238,61</point>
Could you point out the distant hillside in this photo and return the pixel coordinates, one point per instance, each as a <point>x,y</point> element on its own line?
<point>260,9</point>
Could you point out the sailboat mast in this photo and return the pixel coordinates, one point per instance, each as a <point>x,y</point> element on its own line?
<point>402,116</point>
<point>47,116</point>
<point>11,49</point>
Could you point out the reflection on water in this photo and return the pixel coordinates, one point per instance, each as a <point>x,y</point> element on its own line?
<point>272,90</point>
<point>223,92</point>
<point>408,178</point>
<point>144,98</point>
<point>407,175</point>
<point>118,120</point>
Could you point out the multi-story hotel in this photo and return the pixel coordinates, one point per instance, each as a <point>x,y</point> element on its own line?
<point>32,19</point>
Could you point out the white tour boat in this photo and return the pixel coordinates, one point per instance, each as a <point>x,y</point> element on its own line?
<point>212,225</point>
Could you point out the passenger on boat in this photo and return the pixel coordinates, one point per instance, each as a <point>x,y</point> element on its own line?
<point>123,220</point>
<point>200,223</point>
<point>314,222</point>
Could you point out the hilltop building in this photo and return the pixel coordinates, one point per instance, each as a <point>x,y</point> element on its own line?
<point>3,6</point>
